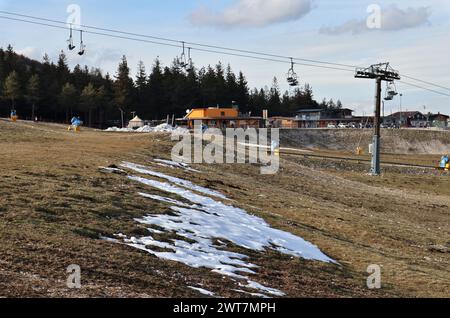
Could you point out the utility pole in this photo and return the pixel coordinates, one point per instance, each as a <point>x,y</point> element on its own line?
<point>121,115</point>
<point>401,110</point>
<point>379,72</point>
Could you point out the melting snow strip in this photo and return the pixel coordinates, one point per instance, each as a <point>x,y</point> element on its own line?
<point>173,164</point>
<point>111,170</point>
<point>180,182</point>
<point>205,222</point>
<point>251,294</point>
<point>202,291</point>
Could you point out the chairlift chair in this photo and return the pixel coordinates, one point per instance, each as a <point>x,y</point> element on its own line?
<point>70,40</point>
<point>189,64</point>
<point>392,89</point>
<point>182,59</point>
<point>82,46</point>
<point>292,77</point>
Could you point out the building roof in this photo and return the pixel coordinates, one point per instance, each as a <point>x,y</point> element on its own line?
<point>324,110</point>
<point>434,116</point>
<point>136,120</point>
<point>222,118</point>
<point>405,114</point>
<point>310,110</point>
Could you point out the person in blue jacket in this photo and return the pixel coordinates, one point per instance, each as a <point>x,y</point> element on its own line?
<point>76,122</point>
<point>444,161</point>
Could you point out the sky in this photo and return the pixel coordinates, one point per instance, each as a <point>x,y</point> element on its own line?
<point>412,35</point>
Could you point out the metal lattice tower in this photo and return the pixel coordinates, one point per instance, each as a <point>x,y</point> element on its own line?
<point>380,72</point>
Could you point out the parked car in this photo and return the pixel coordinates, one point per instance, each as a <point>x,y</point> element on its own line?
<point>342,126</point>
<point>331,126</point>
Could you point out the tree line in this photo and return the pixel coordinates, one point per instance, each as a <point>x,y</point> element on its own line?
<point>52,92</point>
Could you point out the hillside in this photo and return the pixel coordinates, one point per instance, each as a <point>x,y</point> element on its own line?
<point>59,207</point>
<point>394,141</point>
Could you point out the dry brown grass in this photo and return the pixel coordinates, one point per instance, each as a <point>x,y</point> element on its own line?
<point>55,203</point>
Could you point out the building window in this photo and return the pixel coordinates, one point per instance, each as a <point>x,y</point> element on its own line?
<point>222,114</point>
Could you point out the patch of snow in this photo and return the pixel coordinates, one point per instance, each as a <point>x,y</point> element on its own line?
<point>173,164</point>
<point>206,220</point>
<point>163,199</point>
<point>116,129</point>
<point>111,170</point>
<point>202,291</point>
<point>164,128</point>
<point>180,182</point>
<point>218,220</point>
<point>251,294</point>
<point>268,290</point>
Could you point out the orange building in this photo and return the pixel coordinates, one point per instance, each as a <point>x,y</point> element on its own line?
<point>222,118</point>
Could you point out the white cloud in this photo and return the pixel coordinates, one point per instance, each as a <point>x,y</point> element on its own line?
<point>252,13</point>
<point>30,52</point>
<point>392,19</point>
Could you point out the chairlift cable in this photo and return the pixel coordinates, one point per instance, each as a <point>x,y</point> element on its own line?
<point>424,88</point>
<point>208,50</point>
<point>208,46</point>
<point>178,45</point>
<point>178,41</point>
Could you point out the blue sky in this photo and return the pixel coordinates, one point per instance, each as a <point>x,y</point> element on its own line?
<point>414,37</point>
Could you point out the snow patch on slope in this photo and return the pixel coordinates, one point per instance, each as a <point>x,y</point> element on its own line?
<point>164,128</point>
<point>205,224</point>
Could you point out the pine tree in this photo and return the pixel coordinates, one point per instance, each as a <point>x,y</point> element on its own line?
<point>12,88</point>
<point>274,99</point>
<point>221,87</point>
<point>209,87</point>
<point>68,99</point>
<point>123,87</point>
<point>155,91</point>
<point>331,105</point>
<point>33,93</point>
<point>88,101</point>
<point>101,101</point>
<point>62,67</point>
<point>242,92</point>
<point>2,69</point>
<point>141,77</point>
<point>141,88</point>
<point>231,85</point>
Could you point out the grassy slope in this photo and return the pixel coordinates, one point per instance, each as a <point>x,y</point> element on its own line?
<point>54,204</point>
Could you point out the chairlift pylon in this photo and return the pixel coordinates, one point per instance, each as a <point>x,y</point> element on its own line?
<point>82,46</point>
<point>70,40</point>
<point>292,77</point>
